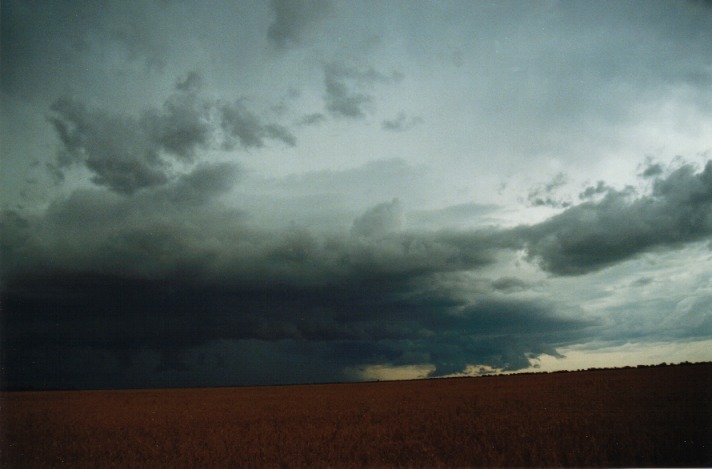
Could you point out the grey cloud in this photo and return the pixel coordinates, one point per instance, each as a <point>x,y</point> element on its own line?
<point>138,34</point>
<point>691,317</point>
<point>545,194</point>
<point>500,317</point>
<point>90,230</point>
<point>516,327</point>
<point>347,89</point>
<point>110,274</point>
<point>13,243</point>
<point>454,216</point>
<point>341,101</point>
<point>310,119</point>
<point>653,170</point>
<point>539,201</point>
<point>593,191</point>
<point>355,321</point>
<point>591,236</point>
<point>195,280</point>
<point>588,74</point>
<point>379,220</point>
<point>146,234</point>
<point>127,154</point>
<point>117,150</point>
<point>204,183</point>
<point>400,123</point>
<point>704,3</point>
<point>115,275</point>
<point>329,200</point>
<point>365,185</point>
<point>44,38</point>
<point>192,82</point>
<point>181,130</point>
<point>249,130</point>
<point>183,125</point>
<point>641,282</point>
<point>509,284</point>
<point>292,17</point>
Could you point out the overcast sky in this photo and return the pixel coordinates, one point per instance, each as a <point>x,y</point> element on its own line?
<point>254,192</point>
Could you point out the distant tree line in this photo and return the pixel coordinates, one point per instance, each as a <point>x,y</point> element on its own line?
<point>627,367</point>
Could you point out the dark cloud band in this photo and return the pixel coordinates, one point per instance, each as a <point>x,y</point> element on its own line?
<point>148,277</point>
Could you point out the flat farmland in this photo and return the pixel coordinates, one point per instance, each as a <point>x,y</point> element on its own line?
<point>652,416</point>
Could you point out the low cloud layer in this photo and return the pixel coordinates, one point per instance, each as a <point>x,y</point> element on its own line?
<point>118,276</point>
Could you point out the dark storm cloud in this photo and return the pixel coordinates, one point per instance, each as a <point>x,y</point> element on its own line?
<point>153,233</point>
<point>504,331</point>
<point>355,320</point>
<point>142,235</point>
<point>292,17</point>
<point>127,153</point>
<point>114,276</point>
<point>594,235</point>
<point>167,271</point>
<point>119,277</point>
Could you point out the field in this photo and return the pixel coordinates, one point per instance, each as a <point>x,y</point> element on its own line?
<point>652,416</point>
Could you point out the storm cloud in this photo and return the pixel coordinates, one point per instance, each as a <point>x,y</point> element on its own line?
<point>292,191</point>
<point>118,274</point>
<point>127,153</point>
<point>593,235</point>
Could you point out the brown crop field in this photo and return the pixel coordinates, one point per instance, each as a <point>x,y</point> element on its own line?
<point>651,416</point>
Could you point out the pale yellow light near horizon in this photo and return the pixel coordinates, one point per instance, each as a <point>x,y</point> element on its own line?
<point>573,358</point>
<point>629,354</point>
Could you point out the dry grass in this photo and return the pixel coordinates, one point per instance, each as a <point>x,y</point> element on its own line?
<point>636,417</point>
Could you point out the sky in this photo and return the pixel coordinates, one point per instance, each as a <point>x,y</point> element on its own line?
<point>270,192</point>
